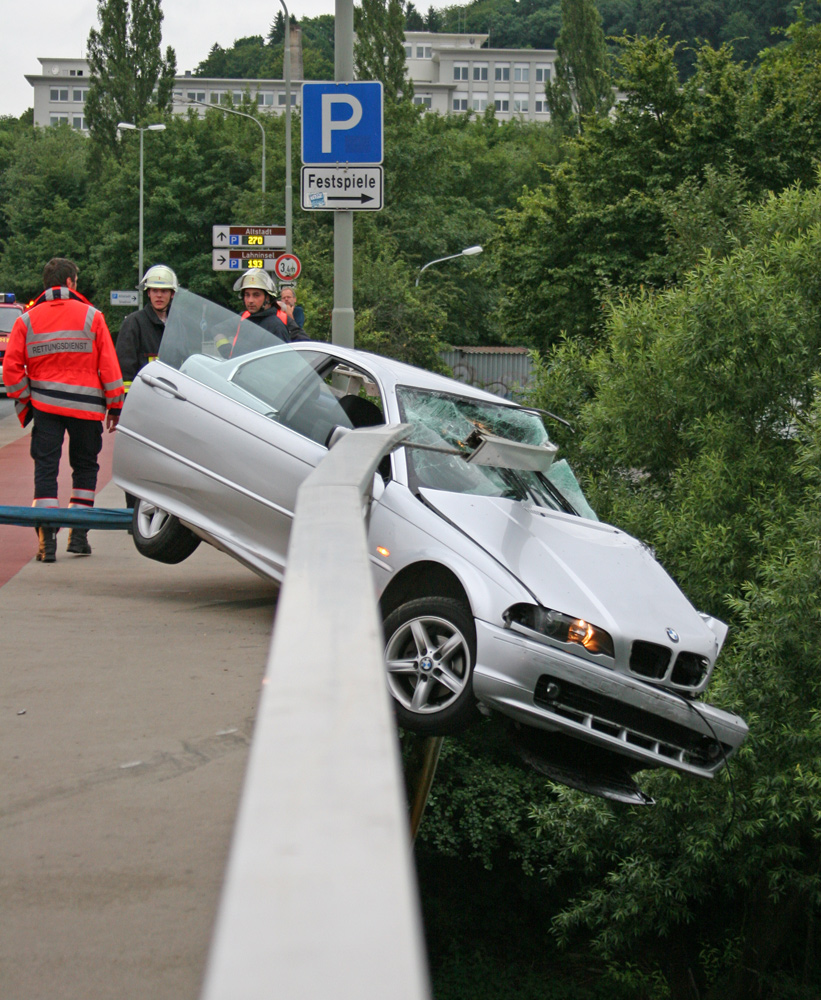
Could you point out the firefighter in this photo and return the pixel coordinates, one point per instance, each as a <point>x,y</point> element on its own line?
<point>258,293</point>
<point>61,369</point>
<point>138,341</point>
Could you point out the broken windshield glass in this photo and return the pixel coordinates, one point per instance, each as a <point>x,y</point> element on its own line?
<point>444,421</point>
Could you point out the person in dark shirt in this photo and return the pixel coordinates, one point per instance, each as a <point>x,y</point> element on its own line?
<point>138,341</point>
<point>263,310</point>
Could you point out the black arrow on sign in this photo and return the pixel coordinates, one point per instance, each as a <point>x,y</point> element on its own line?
<point>221,260</point>
<point>222,236</point>
<point>362,198</point>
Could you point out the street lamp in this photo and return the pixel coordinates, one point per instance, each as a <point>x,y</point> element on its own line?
<point>242,114</point>
<point>467,252</point>
<point>136,128</point>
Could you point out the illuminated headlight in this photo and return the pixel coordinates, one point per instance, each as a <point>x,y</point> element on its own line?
<point>556,625</point>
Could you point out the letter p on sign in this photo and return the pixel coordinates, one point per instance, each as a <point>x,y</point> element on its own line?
<point>342,123</point>
<point>329,125</point>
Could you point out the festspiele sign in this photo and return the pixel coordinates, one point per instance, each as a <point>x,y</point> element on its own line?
<point>329,189</point>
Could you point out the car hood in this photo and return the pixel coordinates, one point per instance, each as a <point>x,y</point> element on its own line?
<point>582,568</point>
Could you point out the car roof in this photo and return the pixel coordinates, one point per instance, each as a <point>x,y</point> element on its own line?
<point>393,373</point>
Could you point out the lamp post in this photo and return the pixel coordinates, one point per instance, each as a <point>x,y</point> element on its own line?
<point>136,128</point>
<point>242,114</point>
<point>467,252</point>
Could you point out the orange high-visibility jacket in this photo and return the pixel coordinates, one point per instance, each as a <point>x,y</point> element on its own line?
<point>60,358</point>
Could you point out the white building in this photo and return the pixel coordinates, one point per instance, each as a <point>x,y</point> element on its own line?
<point>451,73</point>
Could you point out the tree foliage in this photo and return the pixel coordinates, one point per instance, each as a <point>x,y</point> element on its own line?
<point>130,77</point>
<point>379,48</point>
<point>582,82</point>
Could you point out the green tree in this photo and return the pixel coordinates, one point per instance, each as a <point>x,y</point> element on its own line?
<point>582,83</point>
<point>130,77</point>
<point>379,50</point>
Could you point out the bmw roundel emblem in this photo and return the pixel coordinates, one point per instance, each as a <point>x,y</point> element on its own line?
<point>426,664</point>
<point>673,635</point>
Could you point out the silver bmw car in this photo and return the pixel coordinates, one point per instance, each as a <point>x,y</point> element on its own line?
<point>500,591</point>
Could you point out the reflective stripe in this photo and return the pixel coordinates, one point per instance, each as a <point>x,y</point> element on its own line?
<point>126,387</point>
<point>84,497</point>
<point>65,402</point>
<point>62,290</point>
<point>45,502</point>
<point>116,384</point>
<point>73,390</point>
<point>18,386</point>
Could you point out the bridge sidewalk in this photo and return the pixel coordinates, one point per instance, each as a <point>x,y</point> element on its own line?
<point>127,696</point>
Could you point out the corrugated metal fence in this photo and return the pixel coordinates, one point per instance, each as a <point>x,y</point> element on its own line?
<point>504,371</point>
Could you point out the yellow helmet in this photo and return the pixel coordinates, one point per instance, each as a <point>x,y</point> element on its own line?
<point>159,276</point>
<point>256,277</point>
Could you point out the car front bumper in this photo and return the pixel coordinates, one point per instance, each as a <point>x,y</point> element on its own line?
<point>551,689</point>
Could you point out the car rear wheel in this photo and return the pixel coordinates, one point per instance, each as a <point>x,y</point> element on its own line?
<point>159,535</point>
<point>430,652</point>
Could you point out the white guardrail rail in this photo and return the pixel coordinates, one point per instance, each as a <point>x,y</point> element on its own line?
<point>320,898</point>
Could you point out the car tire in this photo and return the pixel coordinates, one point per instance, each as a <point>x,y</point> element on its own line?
<point>430,652</point>
<point>159,535</point>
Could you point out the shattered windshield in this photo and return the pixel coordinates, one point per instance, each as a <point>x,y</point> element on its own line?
<point>442,423</point>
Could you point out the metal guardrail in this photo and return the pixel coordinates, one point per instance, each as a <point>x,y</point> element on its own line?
<point>320,896</point>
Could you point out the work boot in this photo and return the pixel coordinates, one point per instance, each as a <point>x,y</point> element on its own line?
<point>78,542</point>
<point>48,545</point>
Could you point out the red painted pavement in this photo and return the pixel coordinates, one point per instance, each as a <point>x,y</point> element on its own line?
<point>19,545</point>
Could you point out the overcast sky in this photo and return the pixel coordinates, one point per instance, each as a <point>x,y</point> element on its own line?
<point>56,28</point>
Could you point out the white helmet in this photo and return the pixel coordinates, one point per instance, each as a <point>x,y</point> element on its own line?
<point>159,276</point>
<point>256,277</point>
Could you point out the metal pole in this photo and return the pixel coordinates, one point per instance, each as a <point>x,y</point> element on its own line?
<point>140,253</point>
<point>288,188</point>
<point>342,319</point>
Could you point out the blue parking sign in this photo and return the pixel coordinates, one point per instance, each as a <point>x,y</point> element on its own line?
<point>342,123</point>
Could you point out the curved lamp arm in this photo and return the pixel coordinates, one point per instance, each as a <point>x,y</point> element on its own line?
<point>467,252</point>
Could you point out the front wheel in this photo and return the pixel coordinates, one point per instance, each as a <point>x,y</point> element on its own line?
<point>430,652</point>
<point>159,535</point>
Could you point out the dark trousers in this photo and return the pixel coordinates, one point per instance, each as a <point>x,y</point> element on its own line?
<point>85,439</point>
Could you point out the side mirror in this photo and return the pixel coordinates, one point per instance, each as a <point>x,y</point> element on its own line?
<point>337,433</point>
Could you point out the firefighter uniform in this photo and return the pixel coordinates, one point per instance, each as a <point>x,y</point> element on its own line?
<point>61,370</point>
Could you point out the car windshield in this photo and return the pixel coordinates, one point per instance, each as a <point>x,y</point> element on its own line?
<point>443,422</point>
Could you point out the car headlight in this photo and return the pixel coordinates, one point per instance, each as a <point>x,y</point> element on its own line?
<point>564,628</point>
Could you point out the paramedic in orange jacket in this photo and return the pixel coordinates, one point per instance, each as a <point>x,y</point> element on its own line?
<point>62,371</point>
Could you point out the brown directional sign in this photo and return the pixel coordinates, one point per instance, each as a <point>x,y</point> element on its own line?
<point>242,260</point>
<point>231,237</point>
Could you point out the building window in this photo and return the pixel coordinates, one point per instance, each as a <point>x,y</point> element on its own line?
<point>521,73</point>
<point>409,52</point>
<point>479,103</point>
<point>79,122</point>
<point>216,96</point>
<point>422,101</point>
<point>502,72</point>
<point>236,96</point>
<point>265,100</point>
<point>282,102</point>
<point>72,72</point>
<point>196,95</point>
<point>520,103</point>
<point>541,107</point>
<point>543,74</point>
<point>501,105</point>
<point>79,96</point>
<point>480,71</point>
<point>460,102</point>
<point>58,95</point>
<point>460,71</point>
<point>58,120</point>
<point>424,52</point>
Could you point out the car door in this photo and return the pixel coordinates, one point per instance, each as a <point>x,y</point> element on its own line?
<point>225,446</point>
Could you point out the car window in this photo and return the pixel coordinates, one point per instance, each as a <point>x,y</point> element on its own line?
<point>442,423</point>
<point>8,318</point>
